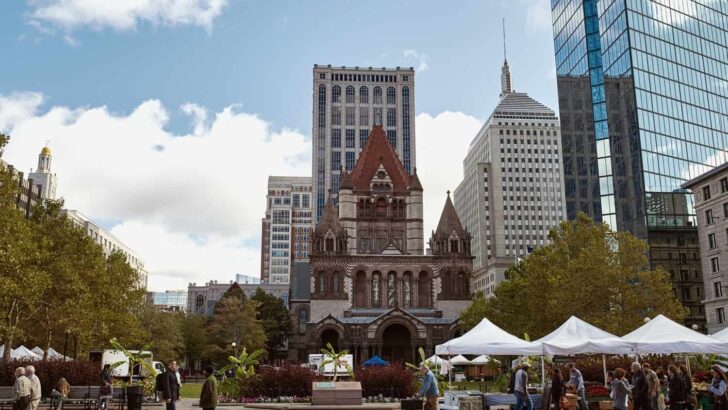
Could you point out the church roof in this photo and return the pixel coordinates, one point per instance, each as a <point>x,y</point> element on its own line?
<point>449,221</point>
<point>376,152</point>
<point>414,182</point>
<point>329,220</point>
<point>345,182</point>
<point>521,103</point>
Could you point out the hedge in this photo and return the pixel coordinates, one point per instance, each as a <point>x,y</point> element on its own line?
<point>78,373</point>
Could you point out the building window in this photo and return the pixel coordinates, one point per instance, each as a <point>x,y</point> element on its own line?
<point>363,135</point>
<point>350,160</point>
<point>350,116</point>
<point>711,240</point>
<point>714,265</point>
<point>322,76</point>
<point>407,290</point>
<point>199,303</point>
<point>406,129</point>
<point>375,289</point>
<point>724,185</point>
<point>391,290</point>
<point>336,138</point>
<point>337,283</point>
<point>686,293</point>
<point>350,94</point>
<point>363,95</point>
<point>321,282</point>
<point>377,95</point>
<point>364,116</point>
<point>336,94</point>
<point>709,217</point>
<point>335,161</point>
<point>302,320</point>
<point>336,116</point>
<point>391,95</point>
<point>720,315</point>
<point>392,138</point>
<point>322,106</point>
<point>718,289</point>
<point>350,138</point>
<point>706,193</point>
<point>391,117</point>
<point>725,210</point>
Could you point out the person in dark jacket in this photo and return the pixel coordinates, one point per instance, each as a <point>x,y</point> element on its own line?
<point>640,389</point>
<point>512,381</point>
<point>690,400</point>
<point>208,395</point>
<point>557,388</point>
<point>676,389</point>
<point>170,393</point>
<point>717,388</point>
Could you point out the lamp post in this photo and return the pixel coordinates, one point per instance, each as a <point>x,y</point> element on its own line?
<point>695,327</point>
<point>647,319</point>
<point>235,348</point>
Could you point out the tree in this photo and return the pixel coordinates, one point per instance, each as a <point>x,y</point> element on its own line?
<point>194,338</point>
<point>336,359</point>
<point>165,329</point>
<point>234,321</point>
<point>588,271</point>
<point>274,316</point>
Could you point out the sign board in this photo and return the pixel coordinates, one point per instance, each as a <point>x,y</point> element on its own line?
<point>324,385</point>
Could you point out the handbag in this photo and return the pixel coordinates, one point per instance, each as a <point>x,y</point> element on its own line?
<point>563,403</point>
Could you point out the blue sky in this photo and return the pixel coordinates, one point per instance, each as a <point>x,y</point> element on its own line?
<point>85,77</point>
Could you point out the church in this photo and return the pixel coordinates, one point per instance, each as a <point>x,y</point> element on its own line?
<point>374,291</point>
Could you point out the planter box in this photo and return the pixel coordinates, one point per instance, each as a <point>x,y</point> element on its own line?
<point>336,393</point>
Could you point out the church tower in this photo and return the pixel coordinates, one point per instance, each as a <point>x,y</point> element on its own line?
<point>43,176</point>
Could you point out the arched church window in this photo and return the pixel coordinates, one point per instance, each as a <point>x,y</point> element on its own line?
<point>377,95</point>
<point>454,246</point>
<point>321,282</point>
<point>376,279</point>
<point>336,94</point>
<point>199,303</point>
<point>391,290</point>
<point>407,290</point>
<point>363,95</point>
<point>350,94</point>
<point>423,290</point>
<point>302,320</point>
<point>337,283</point>
<point>329,244</point>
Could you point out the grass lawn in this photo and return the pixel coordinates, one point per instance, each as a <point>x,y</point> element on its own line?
<point>190,390</point>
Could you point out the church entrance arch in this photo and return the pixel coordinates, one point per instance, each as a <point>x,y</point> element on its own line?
<point>330,336</point>
<point>397,344</point>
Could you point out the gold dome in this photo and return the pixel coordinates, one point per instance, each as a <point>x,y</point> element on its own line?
<point>45,151</point>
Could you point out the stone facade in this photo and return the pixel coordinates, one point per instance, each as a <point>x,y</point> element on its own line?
<point>373,291</point>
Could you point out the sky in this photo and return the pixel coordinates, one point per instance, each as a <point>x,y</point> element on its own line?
<point>166,117</point>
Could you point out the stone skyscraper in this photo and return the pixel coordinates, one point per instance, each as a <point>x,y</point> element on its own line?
<point>347,102</point>
<point>512,190</point>
<point>643,100</point>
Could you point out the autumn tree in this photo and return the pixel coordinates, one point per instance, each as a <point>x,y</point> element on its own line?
<point>194,337</point>
<point>588,271</point>
<point>164,331</point>
<point>275,318</point>
<point>234,321</point>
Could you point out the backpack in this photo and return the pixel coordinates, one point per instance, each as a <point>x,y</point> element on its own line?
<point>160,381</point>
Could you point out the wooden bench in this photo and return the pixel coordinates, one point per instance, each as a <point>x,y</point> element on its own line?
<point>82,396</point>
<point>7,397</point>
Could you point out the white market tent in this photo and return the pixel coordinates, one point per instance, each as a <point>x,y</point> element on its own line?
<point>52,353</point>
<point>576,336</point>
<point>487,338</point>
<point>37,350</point>
<point>664,336</point>
<point>722,335</point>
<point>22,352</point>
<point>459,360</point>
<point>482,359</point>
<point>436,360</point>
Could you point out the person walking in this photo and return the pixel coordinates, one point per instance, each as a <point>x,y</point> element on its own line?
<point>106,388</point>
<point>208,395</point>
<point>35,388</point>
<point>577,381</point>
<point>557,388</point>
<point>690,399</point>
<point>675,389</point>
<point>170,393</point>
<point>620,390</point>
<point>640,389</point>
<point>429,390</point>
<point>653,386</point>
<point>717,388</point>
<point>21,390</point>
<point>520,389</point>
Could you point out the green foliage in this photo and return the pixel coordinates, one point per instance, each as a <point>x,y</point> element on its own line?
<point>442,382</point>
<point>194,337</point>
<point>337,359</point>
<point>234,321</point>
<point>587,270</point>
<point>165,328</point>
<point>275,318</point>
<point>140,358</point>
<point>244,365</point>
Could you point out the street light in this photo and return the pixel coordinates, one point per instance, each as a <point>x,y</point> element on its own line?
<point>647,319</point>
<point>235,348</point>
<point>695,327</point>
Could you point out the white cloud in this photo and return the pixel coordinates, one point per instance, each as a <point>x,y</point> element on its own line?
<point>422,58</point>
<point>123,15</point>
<point>191,204</point>
<point>442,143</point>
<point>538,15</point>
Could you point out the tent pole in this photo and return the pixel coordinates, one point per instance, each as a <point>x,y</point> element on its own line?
<point>449,371</point>
<point>687,361</point>
<point>543,373</point>
<point>604,365</point>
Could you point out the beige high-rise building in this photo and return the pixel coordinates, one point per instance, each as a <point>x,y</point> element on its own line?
<point>512,192</point>
<point>347,103</point>
<point>286,227</point>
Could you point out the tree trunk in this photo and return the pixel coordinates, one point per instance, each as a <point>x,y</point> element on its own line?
<point>8,347</point>
<point>49,335</point>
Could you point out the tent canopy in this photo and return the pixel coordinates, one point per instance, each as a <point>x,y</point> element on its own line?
<point>576,336</point>
<point>487,338</point>
<point>22,352</point>
<point>436,360</point>
<point>482,359</point>
<point>664,336</point>
<point>722,335</point>
<point>375,361</point>
<point>459,360</point>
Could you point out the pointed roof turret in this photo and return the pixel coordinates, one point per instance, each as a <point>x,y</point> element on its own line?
<point>449,221</point>
<point>377,152</point>
<point>330,219</point>
<point>345,182</point>
<point>414,182</point>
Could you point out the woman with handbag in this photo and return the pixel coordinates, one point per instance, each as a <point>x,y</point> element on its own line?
<point>717,388</point>
<point>620,390</point>
<point>557,390</point>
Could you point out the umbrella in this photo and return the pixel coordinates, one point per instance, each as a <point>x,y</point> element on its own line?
<point>376,361</point>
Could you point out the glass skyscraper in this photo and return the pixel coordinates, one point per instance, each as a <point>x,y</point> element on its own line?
<point>643,100</point>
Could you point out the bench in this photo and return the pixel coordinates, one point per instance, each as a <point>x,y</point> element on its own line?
<point>82,396</point>
<point>7,397</point>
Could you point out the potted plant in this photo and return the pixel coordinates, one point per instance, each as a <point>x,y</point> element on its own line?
<point>336,393</point>
<point>134,391</point>
<point>243,368</point>
<point>337,360</point>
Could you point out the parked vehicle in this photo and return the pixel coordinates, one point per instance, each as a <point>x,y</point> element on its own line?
<point>122,371</point>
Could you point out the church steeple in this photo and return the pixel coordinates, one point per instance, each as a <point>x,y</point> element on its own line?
<point>506,87</point>
<point>43,176</point>
<point>44,160</point>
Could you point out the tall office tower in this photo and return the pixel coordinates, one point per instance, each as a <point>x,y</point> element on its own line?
<point>43,176</point>
<point>643,99</point>
<point>512,190</point>
<point>286,227</point>
<point>347,103</point>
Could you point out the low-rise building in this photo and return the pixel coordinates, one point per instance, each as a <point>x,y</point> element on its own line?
<point>201,299</point>
<point>169,300</point>
<point>710,191</point>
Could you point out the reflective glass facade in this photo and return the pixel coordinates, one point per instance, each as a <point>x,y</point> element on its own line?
<point>643,98</point>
